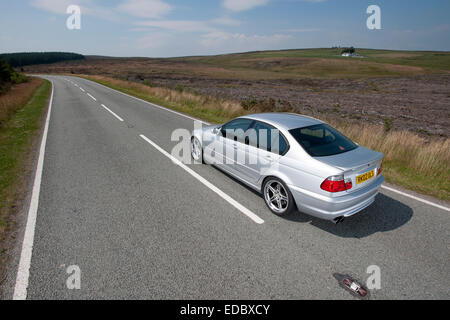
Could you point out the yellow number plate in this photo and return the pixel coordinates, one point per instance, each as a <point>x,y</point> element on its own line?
<point>364,177</point>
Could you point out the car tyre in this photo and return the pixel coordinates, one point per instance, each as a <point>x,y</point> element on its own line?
<point>196,150</point>
<point>278,197</point>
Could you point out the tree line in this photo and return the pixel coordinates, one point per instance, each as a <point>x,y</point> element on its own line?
<point>21,59</point>
<point>8,76</point>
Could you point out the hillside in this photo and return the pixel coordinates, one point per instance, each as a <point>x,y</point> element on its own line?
<point>406,90</point>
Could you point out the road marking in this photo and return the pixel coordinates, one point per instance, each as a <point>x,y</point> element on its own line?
<point>208,123</point>
<point>82,89</point>
<point>115,115</point>
<point>152,104</point>
<point>222,194</point>
<point>92,97</point>
<point>23,271</point>
<point>416,198</point>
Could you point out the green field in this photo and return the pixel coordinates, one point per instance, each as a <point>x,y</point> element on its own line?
<point>328,63</point>
<point>263,65</point>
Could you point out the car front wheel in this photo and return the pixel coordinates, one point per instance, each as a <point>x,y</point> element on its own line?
<point>196,150</point>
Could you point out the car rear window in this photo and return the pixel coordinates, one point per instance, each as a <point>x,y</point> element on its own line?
<point>321,140</point>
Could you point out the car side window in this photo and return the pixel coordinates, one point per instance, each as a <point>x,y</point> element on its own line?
<point>268,138</point>
<point>236,128</point>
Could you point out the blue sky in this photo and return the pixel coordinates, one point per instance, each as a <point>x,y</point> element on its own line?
<point>167,28</point>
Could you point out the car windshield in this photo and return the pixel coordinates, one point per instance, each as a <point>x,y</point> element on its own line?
<point>321,140</point>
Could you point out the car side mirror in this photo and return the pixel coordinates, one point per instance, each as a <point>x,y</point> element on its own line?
<point>216,130</point>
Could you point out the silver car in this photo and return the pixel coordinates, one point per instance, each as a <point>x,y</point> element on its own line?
<point>296,162</point>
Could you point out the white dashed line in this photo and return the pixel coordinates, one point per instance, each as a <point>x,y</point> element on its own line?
<point>222,194</point>
<point>192,118</point>
<point>82,89</point>
<point>150,103</point>
<point>115,115</point>
<point>91,96</point>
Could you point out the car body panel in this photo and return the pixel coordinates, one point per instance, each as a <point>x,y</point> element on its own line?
<point>302,173</point>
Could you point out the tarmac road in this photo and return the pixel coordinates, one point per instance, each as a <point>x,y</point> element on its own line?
<point>139,226</point>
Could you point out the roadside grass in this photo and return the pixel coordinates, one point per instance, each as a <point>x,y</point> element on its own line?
<point>411,161</point>
<point>26,105</point>
<point>204,107</point>
<point>16,97</point>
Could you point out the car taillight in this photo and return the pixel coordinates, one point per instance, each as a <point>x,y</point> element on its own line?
<point>380,169</point>
<point>336,184</point>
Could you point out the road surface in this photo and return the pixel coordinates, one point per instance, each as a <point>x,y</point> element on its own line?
<point>139,226</point>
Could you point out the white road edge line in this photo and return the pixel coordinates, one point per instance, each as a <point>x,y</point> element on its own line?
<point>208,123</point>
<point>23,271</point>
<point>416,198</point>
<point>222,194</point>
<point>90,95</point>
<point>152,104</point>
<point>115,115</point>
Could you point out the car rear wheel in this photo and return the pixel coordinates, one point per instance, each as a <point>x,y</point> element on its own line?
<point>278,197</point>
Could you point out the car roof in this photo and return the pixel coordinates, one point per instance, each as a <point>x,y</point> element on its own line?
<point>287,121</point>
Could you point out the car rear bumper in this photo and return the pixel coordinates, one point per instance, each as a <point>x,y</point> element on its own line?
<point>330,208</point>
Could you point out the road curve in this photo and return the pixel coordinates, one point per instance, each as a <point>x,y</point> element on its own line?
<point>139,226</point>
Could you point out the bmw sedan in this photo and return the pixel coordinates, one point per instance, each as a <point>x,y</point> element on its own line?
<point>295,162</point>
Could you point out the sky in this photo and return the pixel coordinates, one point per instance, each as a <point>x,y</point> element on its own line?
<point>170,28</point>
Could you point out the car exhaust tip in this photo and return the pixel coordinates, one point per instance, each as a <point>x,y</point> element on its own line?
<point>338,219</point>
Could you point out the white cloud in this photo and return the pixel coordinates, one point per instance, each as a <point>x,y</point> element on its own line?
<point>226,21</point>
<point>177,25</point>
<point>145,8</point>
<point>57,6</point>
<point>302,30</point>
<point>242,5</point>
<point>152,41</point>
<point>242,42</point>
<point>87,7</point>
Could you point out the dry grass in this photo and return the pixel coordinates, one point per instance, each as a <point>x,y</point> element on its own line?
<point>16,98</point>
<point>182,99</point>
<point>411,161</point>
<point>429,157</point>
<point>18,138</point>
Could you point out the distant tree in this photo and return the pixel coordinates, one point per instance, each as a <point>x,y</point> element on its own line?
<point>5,72</point>
<point>28,58</point>
<point>348,50</point>
<point>8,76</point>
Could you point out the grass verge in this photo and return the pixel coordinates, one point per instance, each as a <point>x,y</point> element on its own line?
<point>411,161</point>
<point>17,136</point>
